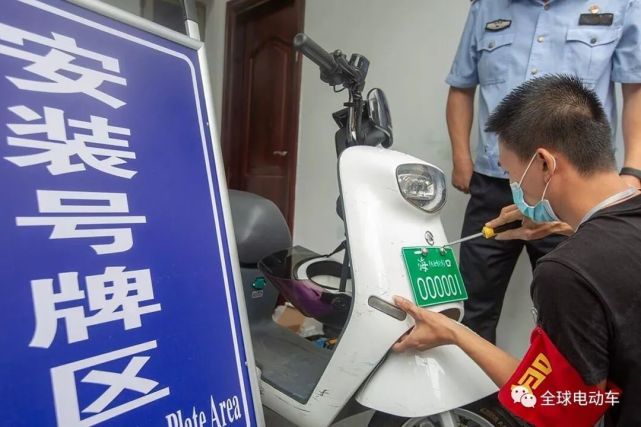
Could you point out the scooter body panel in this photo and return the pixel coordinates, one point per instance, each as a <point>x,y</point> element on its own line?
<point>380,222</point>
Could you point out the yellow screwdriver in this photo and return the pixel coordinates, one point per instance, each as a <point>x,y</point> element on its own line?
<point>488,232</point>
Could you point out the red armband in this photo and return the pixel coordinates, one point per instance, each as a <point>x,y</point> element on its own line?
<point>545,390</point>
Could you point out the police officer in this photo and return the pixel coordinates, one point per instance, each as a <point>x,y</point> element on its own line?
<point>507,42</point>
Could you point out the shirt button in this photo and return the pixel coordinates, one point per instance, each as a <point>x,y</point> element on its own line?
<point>534,71</point>
<point>491,45</point>
<point>540,39</point>
<point>593,40</point>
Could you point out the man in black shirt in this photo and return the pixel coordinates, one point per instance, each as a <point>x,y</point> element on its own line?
<point>555,143</point>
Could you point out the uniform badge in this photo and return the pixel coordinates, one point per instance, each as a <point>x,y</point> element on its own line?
<point>595,8</point>
<point>498,25</point>
<point>604,19</point>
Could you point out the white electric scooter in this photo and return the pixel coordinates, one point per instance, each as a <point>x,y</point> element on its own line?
<point>388,201</point>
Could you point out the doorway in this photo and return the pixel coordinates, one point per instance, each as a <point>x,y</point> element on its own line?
<point>261,99</point>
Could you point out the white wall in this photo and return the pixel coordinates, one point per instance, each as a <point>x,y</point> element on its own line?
<point>410,45</point>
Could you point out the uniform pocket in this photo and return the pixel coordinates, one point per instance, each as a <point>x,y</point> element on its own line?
<point>494,52</point>
<point>589,51</point>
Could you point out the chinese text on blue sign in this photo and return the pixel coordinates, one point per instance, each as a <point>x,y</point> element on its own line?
<point>118,299</point>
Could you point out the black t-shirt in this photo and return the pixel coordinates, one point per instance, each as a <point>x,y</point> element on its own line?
<point>587,293</point>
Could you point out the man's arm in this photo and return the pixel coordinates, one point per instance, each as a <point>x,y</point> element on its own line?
<point>579,333</point>
<point>460,115</point>
<point>434,329</point>
<point>631,124</point>
<point>496,363</point>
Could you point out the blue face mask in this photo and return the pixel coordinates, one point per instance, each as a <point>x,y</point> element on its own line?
<point>542,211</point>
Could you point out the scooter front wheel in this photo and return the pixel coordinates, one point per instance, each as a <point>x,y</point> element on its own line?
<point>487,412</point>
<point>455,418</point>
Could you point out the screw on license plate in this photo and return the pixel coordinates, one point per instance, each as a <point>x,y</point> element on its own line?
<point>442,251</point>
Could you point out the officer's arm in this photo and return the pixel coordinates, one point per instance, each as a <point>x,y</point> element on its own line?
<point>631,123</point>
<point>463,79</point>
<point>626,69</point>
<point>460,115</point>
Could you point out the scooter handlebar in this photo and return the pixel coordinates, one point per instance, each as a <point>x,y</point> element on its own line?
<point>314,52</point>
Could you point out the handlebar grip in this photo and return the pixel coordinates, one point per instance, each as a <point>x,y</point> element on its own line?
<point>314,52</point>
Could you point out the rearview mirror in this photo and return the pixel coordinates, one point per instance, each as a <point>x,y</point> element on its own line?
<point>379,114</point>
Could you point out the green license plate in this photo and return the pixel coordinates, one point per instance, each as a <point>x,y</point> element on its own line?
<point>434,276</point>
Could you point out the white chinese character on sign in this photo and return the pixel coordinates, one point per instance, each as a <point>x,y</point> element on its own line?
<point>56,148</point>
<point>76,227</point>
<point>422,265</point>
<point>128,383</point>
<point>113,296</point>
<point>58,67</point>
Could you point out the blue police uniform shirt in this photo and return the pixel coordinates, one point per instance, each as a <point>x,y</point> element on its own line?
<point>506,42</point>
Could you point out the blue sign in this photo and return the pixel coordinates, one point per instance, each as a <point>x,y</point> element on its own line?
<point>118,303</point>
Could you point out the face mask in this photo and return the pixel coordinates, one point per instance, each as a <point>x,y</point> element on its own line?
<point>542,211</point>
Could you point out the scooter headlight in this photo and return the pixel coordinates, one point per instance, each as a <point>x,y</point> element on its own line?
<point>422,185</point>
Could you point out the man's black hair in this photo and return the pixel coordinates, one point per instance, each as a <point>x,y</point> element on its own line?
<point>556,112</point>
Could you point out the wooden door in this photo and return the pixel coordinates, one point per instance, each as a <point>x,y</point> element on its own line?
<point>261,99</point>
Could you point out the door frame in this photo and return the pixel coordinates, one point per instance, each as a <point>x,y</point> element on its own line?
<point>232,84</point>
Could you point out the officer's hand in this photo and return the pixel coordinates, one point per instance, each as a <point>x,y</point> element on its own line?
<point>462,175</point>
<point>431,329</point>
<point>529,230</point>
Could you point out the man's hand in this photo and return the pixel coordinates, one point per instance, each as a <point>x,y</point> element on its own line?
<point>431,329</point>
<point>529,230</point>
<point>434,329</point>
<point>462,174</point>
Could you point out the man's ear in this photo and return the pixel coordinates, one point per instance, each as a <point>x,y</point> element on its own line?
<point>549,160</point>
